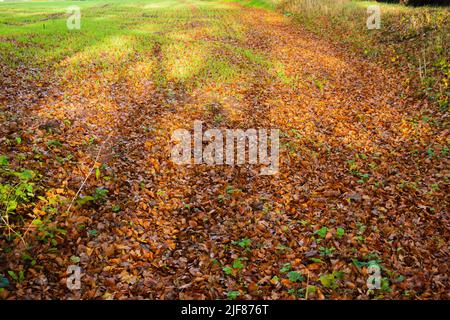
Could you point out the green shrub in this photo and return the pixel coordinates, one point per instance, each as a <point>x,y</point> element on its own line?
<point>16,188</point>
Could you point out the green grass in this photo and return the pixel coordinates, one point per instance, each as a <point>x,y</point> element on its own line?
<point>118,40</point>
<point>264,4</point>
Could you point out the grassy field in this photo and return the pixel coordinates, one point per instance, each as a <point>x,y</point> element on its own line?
<point>412,39</point>
<point>35,34</point>
<point>86,175</point>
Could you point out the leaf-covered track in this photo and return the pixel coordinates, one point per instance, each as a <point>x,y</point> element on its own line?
<point>358,183</point>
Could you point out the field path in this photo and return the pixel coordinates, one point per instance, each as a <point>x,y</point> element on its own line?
<point>351,188</point>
